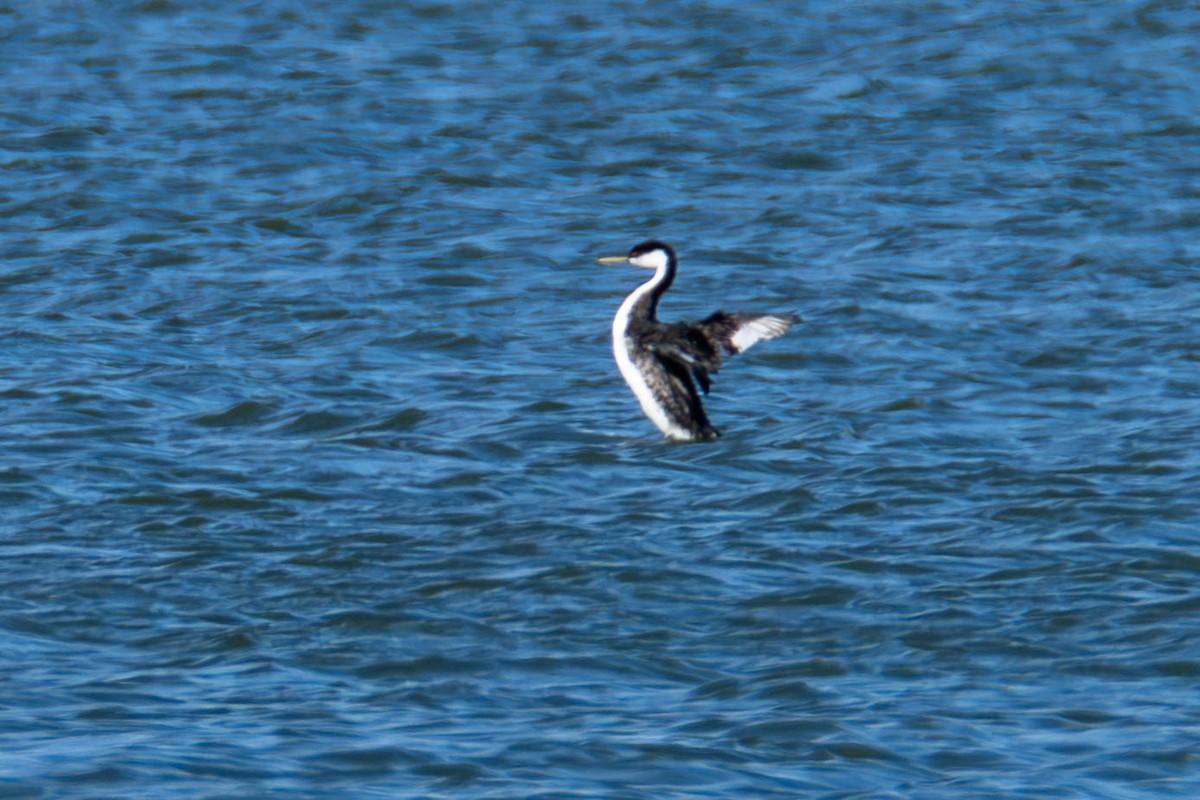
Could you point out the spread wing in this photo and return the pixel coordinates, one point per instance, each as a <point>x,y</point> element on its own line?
<point>698,347</point>
<point>736,333</point>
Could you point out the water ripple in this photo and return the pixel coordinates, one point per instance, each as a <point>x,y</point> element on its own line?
<point>319,479</point>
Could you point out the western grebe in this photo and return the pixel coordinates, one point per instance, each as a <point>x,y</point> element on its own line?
<point>659,360</point>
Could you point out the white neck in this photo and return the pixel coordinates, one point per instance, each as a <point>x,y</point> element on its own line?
<point>629,370</point>
<point>621,320</point>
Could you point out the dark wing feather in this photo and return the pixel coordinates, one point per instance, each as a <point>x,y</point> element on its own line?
<point>697,348</point>
<point>687,346</point>
<point>694,418</point>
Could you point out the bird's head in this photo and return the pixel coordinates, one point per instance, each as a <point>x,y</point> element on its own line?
<point>649,255</point>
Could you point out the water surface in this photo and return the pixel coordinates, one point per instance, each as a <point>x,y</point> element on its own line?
<point>318,479</point>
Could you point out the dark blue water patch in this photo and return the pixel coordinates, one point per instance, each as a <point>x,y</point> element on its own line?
<point>319,478</point>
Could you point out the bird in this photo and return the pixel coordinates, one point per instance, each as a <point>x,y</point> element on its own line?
<point>664,362</point>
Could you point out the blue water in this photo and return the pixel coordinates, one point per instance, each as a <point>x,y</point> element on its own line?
<point>318,479</point>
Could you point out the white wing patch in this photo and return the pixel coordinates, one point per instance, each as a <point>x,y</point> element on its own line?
<point>758,329</point>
